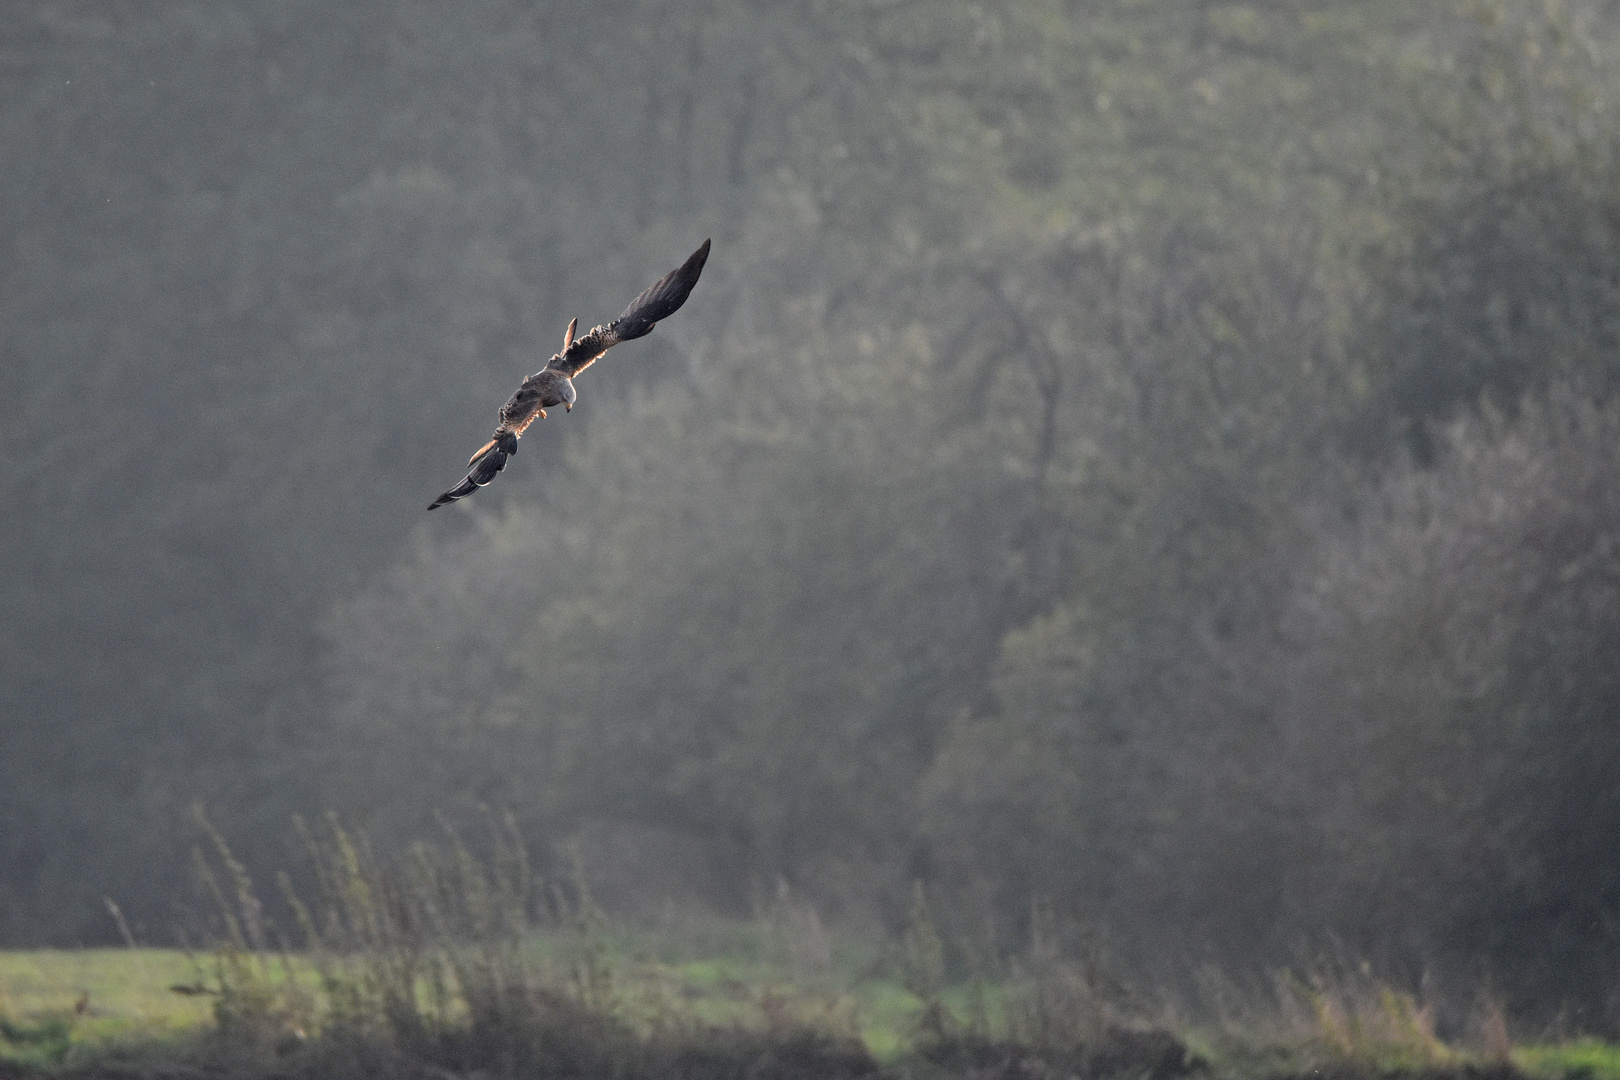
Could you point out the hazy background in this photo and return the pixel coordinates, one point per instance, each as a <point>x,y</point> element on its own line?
<point>1159,457</point>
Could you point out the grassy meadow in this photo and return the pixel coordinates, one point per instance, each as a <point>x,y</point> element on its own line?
<point>733,991</point>
<point>449,963</point>
<point>65,1008</point>
<point>56,1004</point>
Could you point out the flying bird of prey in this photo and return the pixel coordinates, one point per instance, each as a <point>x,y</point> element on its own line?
<point>553,384</point>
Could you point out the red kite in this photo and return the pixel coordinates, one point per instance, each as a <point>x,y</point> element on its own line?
<point>553,384</point>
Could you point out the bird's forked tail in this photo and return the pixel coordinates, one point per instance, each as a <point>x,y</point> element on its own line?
<point>489,460</point>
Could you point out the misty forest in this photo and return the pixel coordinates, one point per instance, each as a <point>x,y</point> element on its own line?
<point>1153,460</point>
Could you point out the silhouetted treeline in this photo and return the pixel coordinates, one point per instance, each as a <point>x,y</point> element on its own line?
<point>1160,458</point>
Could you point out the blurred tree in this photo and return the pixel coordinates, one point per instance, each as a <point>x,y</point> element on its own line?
<point>1502,277</point>
<point>1449,703</point>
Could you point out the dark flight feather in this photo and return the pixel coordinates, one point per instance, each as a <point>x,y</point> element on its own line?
<point>661,300</point>
<point>552,385</point>
<point>489,460</point>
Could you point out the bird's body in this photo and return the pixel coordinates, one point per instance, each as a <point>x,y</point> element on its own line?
<point>553,384</point>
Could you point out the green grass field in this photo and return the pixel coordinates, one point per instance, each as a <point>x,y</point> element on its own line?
<point>80,1006</point>
<point>55,1003</point>
<point>1582,1058</point>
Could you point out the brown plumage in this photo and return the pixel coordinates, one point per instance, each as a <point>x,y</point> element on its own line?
<point>553,384</point>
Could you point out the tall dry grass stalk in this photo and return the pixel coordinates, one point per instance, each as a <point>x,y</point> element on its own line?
<point>1494,1041</point>
<point>1346,1013</point>
<point>466,964</point>
<point>436,945</point>
<point>1062,994</point>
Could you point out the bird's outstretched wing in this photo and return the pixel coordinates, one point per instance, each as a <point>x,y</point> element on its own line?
<point>661,300</point>
<point>552,386</point>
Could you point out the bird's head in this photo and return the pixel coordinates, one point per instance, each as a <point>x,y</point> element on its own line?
<point>568,395</point>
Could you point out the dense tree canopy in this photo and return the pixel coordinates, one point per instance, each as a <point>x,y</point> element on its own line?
<point>1154,456</point>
